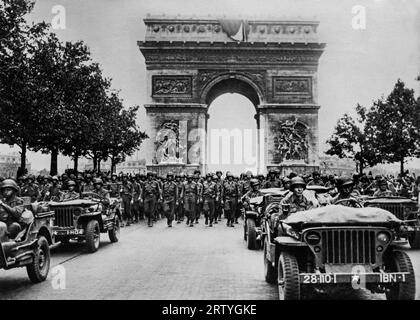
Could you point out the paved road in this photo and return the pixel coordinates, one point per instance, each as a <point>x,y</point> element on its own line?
<point>160,263</point>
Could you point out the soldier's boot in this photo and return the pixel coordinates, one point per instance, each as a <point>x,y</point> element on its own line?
<point>149,222</point>
<point>211,223</point>
<point>231,223</point>
<point>207,221</point>
<point>192,224</point>
<point>236,221</point>
<point>169,223</point>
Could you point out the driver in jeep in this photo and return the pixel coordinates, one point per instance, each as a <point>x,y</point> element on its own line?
<point>254,192</point>
<point>346,192</point>
<point>11,209</point>
<point>101,191</point>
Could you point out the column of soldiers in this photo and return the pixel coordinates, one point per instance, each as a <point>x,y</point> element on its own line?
<point>188,197</point>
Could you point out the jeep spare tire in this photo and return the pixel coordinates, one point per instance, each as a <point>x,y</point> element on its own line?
<point>39,268</point>
<point>93,236</point>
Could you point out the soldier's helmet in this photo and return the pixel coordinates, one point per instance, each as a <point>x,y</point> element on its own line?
<point>271,171</point>
<point>286,180</point>
<point>382,182</point>
<point>71,183</point>
<point>215,177</point>
<point>346,182</point>
<point>229,174</point>
<point>114,175</point>
<point>255,182</point>
<point>30,177</point>
<point>169,174</point>
<point>54,178</point>
<point>9,183</point>
<point>79,177</point>
<point>190,176</point>
<point>209,174</point>
<point>218,171</point>
<point>98,181</point>
<point>297,182</point>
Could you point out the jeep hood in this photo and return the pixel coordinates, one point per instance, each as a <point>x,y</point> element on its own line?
<point>334,214</point>
<point>74,203</point>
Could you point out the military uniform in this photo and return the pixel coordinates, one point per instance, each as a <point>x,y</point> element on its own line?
<point>272,183</point>
<point>126,193</point>
<point>190,198</point>
<point>54,193</point>
<point>380,193</point>
<point>170,199</point>
<point>151,194</point>
<point>297,204</point>
<point>69,195</point>
<point>210,194</point>
<point>104,195</point>
<point>30,190</point>
<point>114,188</point>
<point>179,207</point>
<point>219,208</point>
<point>230,195</point>
<point>136,200</point>
<point>199,206</point>
<point>10,220</point>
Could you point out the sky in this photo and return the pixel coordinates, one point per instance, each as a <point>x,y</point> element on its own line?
<point>358,66</point>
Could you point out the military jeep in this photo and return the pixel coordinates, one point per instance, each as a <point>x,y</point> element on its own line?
<point>404,209</point>
<point>85,219</point>
<point>31,247</point>
<point>254,214</point>
<point>337,247</point>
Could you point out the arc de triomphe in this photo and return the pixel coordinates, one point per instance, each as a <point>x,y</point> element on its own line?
<point>190,62</point>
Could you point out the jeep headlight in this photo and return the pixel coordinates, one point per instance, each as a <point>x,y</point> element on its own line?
<point>312,238</point>
<point>383,238</point>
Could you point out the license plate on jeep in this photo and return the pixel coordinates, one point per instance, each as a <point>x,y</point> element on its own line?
<point>374,277</point>
<point>72,232</point>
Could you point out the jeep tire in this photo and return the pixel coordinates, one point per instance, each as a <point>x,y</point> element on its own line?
<point>399,261</point>
<point>251,234</point>
<point>288,277</point>
<point>114,233</point>
<point>93,235</point>
<point>270,272</point>
<point>39,268</point>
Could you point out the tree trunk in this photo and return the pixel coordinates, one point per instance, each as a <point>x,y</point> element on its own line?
<point>76,161</point>
<point>99,165</point>
<point>23,158</point>
<point>54,162</point>
<point>361,167</point>
<point>112,165</point>
<point>402,167</point>
<point>95,163</point>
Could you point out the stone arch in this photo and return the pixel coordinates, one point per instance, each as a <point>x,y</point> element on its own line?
<point>231,83</point>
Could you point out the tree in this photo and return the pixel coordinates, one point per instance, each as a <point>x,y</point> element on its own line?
<point>19,92</point>
<point>352,140</point>
<point>123,136</point>
<point>394,123</point>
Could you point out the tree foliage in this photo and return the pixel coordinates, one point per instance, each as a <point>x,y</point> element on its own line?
<point>394,123</point>
<point>352,139</point>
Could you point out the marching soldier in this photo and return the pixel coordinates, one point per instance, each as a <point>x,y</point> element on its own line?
<point>179,207</point>
<point>70,194</point>
<point>151,194</point>
<point>137,189</point>
<point>218,207</point>
<point>210,197</point>
<point>190,199</point>
<point>230,193</point>
<point>199,206</point>
<point>141,182</point>
<point>30,189</point>
<point>126,193</point>
<point>170,197</point>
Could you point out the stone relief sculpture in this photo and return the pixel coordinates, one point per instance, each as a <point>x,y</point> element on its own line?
<point>169,86</point>
<point>167,143</point>
<point>291,141</point>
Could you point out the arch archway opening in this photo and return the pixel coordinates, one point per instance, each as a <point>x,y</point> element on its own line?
<point>232,132</point>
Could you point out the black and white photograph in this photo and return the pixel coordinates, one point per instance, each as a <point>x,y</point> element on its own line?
<point>218,151</point>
